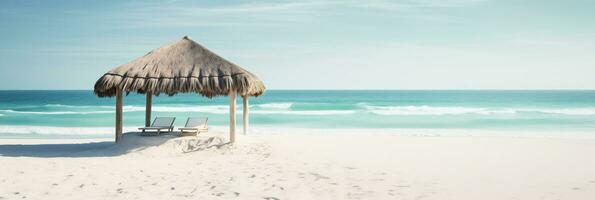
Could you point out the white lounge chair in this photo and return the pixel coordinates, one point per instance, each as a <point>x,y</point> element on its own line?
<point>195,125</point>
<point>160,123</point>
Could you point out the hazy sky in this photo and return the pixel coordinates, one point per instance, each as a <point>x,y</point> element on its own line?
<point>323,44</point>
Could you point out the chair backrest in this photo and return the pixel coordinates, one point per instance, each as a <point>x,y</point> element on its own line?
<point>163,121</point>
<point>199,122</point>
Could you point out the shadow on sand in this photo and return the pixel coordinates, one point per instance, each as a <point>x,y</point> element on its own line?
<point>131,142</point>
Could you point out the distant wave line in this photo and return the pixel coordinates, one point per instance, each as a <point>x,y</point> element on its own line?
<point>51,130</point>
<point>437,110</point>
<point>56,112</point>
<point>285,108</point>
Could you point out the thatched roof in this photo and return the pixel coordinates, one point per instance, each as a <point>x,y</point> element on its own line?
<point>183,66</point>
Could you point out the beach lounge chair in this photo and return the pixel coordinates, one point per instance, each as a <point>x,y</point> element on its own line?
<point>195,125</point>
<point>160,123</point>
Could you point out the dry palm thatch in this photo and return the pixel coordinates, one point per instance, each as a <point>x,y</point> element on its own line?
<point>184,66</point>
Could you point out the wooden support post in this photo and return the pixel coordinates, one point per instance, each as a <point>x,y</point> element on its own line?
<point>118,115</point>
<point>245,114</point>
<point>232,117</point>
<point>148,109</point>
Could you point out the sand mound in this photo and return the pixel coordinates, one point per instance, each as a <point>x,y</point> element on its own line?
<point>131,143</point>
<point>166,144</point>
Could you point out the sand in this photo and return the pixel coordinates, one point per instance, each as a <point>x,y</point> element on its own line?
<point>300,166</point>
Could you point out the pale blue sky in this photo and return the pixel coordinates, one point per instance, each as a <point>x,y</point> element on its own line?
<point>324,44</point>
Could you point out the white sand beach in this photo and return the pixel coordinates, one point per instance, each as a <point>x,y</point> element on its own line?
<point>300,166</point>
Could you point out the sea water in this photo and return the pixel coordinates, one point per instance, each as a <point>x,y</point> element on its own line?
<point>82,114</point>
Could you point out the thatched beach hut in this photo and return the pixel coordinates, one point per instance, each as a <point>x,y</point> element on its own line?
<point>183,66</point>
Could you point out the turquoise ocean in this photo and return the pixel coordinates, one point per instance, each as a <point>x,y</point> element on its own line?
<point>32,114</point>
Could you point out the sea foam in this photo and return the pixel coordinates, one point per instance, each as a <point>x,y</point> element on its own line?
<point>430,110</point>
<point>437,110</point>
<point>305,112</point>
<point>57,112</point>
<point>51,130</point>
<point>286,108</point>
<point>274,105</point>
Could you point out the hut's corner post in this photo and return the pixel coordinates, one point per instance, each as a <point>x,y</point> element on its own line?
<point>118,115</point>
<point>149,102</point>
<point>232,117</point>
<point>245,114</point>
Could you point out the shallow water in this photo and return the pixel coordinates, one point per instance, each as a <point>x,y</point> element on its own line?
<point>47,113</point>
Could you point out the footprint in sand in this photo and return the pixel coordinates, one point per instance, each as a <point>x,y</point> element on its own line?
<point>318,176</point>
<point>219,194</point>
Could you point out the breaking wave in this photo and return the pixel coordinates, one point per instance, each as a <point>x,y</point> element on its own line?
<point>52,130</point>
<point>305,112</point>
<point>429,110</point>
<point>274,105</point>
<point>286,108</point>
<point>57,112</point>
<point>437,110</point>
